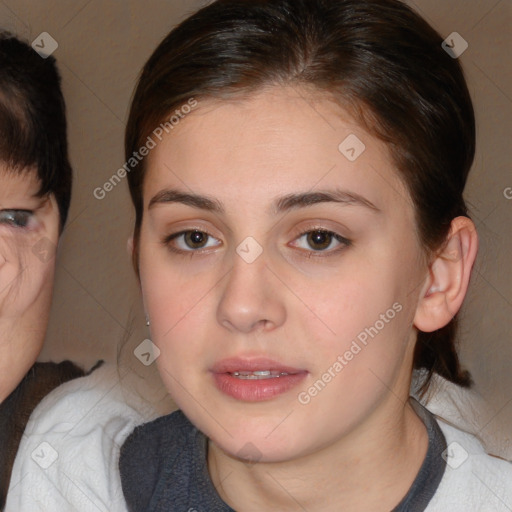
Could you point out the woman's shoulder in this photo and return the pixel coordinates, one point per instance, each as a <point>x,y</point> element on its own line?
<point>162,439</point>
<point>473,478</point>
<point>16,409</point>
<point>163,466</point>
<point>157,431</point>
<point>87,404</point>
<point>152,450</point>
<point>68,457</point>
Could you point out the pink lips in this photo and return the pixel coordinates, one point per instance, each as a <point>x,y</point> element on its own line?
<point>234,377</point>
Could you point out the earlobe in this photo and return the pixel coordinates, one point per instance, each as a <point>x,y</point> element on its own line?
<point>129,246</point>
<point>449,275</point>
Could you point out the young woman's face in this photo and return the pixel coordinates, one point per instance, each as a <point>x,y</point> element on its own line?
<point>280,269</point>
<point>29,227</point>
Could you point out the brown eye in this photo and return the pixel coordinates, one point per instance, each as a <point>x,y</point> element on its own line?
<point>195,239</point>
<point>319,240</point>
<point>191,240</point>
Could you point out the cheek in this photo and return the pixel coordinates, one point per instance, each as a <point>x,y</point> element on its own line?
<point>357,356</point>
<point>175,302</point>
<point>359,321</point>
<point>181,327</point>
<point>349,301</point>
<point>27,267</point>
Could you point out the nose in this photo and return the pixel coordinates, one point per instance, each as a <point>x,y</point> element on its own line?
<point>252,298</point>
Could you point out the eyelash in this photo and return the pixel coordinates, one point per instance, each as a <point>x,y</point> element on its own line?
<point>345,242</point>
<point>13,218</point>
<point>166,241</point>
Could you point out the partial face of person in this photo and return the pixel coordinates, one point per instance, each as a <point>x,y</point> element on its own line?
<point>29,230</point>
<point>281,271</point>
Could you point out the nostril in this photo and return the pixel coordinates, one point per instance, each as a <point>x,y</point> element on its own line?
<point>260,325</point>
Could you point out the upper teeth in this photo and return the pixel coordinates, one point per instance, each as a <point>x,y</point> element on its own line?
<point>260,374</point>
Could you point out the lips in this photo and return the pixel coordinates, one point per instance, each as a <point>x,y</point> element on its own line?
<point>255,379</point>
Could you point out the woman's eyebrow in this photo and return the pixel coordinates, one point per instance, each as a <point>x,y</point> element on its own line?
<point>282,204</point>
<point>194,200</point>
<point>344,197</point>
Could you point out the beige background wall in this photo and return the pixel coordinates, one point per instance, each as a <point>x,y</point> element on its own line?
<point>102,46</point>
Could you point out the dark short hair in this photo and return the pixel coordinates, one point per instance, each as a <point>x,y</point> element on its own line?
<point>33,131</point>
<point>377,58</point>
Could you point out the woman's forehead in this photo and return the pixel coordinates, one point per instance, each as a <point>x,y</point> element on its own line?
<point>279,142</point>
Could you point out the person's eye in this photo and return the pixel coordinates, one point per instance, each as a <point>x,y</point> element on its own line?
<point>190,241</point>
<point>321,241</point>
<point>16,218</point>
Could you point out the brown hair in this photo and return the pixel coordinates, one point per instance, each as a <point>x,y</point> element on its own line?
<point>377,55</point>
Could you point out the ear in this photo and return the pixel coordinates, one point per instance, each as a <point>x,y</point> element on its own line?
<point>448,280</point>
<point>129,246</point>
<point>133,253</point>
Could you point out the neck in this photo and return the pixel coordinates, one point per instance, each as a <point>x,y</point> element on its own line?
<point>371,468</point>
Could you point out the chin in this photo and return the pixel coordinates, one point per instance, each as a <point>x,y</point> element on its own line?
<point>258,443</point>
